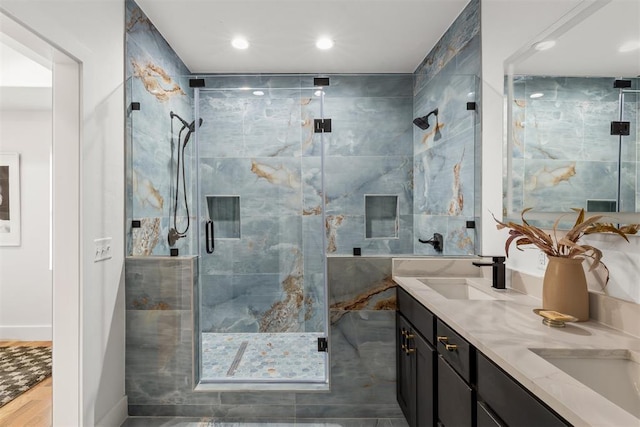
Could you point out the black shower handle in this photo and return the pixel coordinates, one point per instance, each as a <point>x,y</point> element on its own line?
<point>209,237</point>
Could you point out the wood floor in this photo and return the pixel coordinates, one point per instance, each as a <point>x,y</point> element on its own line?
<point>33,407</point>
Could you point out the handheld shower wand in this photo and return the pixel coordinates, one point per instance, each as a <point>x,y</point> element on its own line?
<point>174,234</point>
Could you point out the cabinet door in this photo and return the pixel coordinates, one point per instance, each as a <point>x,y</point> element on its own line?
<point>455,397</point>
<point>405,372</point>
<point>425,357</point>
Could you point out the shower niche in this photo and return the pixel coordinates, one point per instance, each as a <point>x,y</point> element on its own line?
<point>224,211</point>
<point>381,216</point>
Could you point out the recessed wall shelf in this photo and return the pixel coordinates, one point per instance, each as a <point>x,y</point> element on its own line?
<point>224,211</point>
<point>381,216</point>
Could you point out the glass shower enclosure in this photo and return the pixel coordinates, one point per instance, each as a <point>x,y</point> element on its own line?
<point>262,295</point>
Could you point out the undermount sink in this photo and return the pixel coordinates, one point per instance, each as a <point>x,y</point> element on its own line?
<point>457,288</point>
<point>614,374</point>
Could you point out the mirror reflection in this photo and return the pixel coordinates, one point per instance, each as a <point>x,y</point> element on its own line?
<point>572,98</point>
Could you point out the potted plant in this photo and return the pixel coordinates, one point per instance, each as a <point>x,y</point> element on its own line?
<point>564,287</point>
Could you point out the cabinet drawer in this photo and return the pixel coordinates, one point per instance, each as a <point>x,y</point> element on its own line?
<point>486,418</point>
<point>459,353</point>
<point>421,318</point>
<point>509,400</point>
<point>456,400</point>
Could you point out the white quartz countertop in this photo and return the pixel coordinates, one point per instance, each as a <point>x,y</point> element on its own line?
<point>505,329</point>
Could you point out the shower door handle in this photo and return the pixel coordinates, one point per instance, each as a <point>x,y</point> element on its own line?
<point>209,237</point>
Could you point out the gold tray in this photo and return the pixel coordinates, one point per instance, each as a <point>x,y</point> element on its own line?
<point>554,318</point>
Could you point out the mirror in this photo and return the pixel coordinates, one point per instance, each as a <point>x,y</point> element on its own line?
<point>560,102</point>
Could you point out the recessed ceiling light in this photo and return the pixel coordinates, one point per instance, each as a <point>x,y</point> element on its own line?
<point>629,46</point>
<point>324,43</point>
<point>536,95</point>
<point>240,43</point>
<point>544,45</point>
<point>258,93</point>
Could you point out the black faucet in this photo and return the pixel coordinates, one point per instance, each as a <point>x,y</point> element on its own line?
<point>498,268</point>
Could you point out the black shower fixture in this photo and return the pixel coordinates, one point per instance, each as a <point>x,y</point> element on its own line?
<point>423,122</point>
<point>174,234</point>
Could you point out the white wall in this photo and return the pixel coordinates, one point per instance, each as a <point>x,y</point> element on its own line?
<point>93,32</point>
<point>25,278</point>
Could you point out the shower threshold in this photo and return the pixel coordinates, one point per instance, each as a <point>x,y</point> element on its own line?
<point>262,361</point>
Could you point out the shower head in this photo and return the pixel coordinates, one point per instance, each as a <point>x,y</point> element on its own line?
<point>423,122</point>
<point>192,128</point>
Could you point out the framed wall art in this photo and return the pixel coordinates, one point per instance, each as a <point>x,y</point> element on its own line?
<point>9,199</point>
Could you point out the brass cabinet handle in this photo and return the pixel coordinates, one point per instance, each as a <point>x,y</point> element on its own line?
<point>445,340</point>
<point>407,349</point>
<point>410,336</point>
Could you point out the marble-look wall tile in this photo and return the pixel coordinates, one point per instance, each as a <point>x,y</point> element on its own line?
<point>362,345</point>
<point>557,167</point>
<point>445,173</point>
<point>159,82</point>
<point>464,28</point>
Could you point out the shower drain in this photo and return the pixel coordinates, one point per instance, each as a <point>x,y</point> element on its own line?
<point>237,359</point>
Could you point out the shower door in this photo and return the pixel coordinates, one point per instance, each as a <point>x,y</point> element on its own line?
<point>262,287</point>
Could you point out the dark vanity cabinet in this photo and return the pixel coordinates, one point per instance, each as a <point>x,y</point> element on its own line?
<point>442,380</point>
<point>456,397</point>
<point>415,361</point>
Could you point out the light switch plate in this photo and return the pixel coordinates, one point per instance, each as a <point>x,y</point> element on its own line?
<point>102,249</point>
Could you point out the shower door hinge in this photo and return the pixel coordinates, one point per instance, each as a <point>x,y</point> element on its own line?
<point>321,81</point>
<point>196,83</point>
<point>621,84</point>
<point>323,344</point>
<point>321,125</point>
<point>620,128</point>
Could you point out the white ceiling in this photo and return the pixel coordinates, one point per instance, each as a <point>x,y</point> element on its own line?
<point>590,46</point>
<point>371,36</point>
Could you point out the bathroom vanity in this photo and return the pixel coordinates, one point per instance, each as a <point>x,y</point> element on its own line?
<point>469,355</point>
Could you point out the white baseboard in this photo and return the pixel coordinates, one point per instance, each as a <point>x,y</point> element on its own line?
<point>26,333</point>
<point>116,415</point>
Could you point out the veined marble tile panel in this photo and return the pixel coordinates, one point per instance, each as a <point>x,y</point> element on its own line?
<point>369,85</point>
<point>361,283</point>
<point>370,126</point>
<point>376,176</point>
<point>591,89</point>
<point>458,240</point>
<point>468,60</point>
<point>144,42</point>
<point>345,232</point>
<point>266,186</point>
<point>363,367</point>
<point>444,179</point>
<point>464,28</point>
<point>311,186</point>
<point>560,185</point>
<point>159,284</point>
<point>268,245</point>
<point>251,127</point>
<point>450,94</point>
<point>261,81</point>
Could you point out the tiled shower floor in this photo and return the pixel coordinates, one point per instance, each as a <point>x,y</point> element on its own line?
<point>256,357</point>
